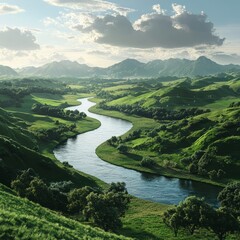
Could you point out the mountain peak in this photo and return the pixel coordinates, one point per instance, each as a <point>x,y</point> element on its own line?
<point>203,59</point>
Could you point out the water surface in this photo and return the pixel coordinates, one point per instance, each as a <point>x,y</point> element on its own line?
<point>80,153</point>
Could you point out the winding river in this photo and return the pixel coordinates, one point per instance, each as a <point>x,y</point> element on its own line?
<point>80,153</point>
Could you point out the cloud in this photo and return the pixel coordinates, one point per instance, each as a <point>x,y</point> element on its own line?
<point>183,29</point>
<point>224,58</point>
<point>9,9</point>
<point>90,6</point>
<point>158,9</point>
<point>16,39</point>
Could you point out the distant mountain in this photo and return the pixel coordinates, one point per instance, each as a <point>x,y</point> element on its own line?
<point>7,71</point>
<point>59,69</point>
<point>124,69</point>
<point>131,68</point>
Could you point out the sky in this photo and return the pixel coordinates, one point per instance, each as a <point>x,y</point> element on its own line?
<point>103,32</point>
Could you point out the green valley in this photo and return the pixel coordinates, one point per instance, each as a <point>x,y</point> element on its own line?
<point>184,128</point>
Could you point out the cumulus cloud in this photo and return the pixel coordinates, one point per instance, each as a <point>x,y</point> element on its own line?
<point>90,5</point>
<point>183,29</point>
<point>158,9</point>
<point>9,9</point>
<point>16,39</point>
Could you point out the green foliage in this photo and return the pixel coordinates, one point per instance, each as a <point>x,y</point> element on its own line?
<point>77,199</point>
<point>148,162</point>
<point>118,187</point>
<point>223,223</point>
<point>106,209</point>
<point>122,148</point>
<point>183,125</point>
<point>102,208</point>
<point>229,198</point>
<point>193,213</point>
<point>22,219</point>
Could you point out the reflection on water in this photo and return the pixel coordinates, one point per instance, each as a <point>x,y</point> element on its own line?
<point>148,177</point>
<point>80,153</point>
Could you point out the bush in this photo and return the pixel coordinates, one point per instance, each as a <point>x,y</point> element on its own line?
<point>147,162</point>
<point>122,148</point>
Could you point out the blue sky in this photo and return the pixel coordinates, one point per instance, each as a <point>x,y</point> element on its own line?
<point>101,32</point>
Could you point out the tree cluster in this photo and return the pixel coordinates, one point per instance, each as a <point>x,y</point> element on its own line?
<point>58,112</point>
<point>157,113</point>
<point>193,213</point>
<point>103,208</point>
<point>54,133</point>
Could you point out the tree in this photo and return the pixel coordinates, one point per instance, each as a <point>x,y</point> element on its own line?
<point>222,223</point>
<point>191,214</point>
<point>77,199</point>
<point>122,148</point>
<point>106,209</point>
<point>229,197</point>
<point>118,187</point>
<point>173,218</point>
<point>38,192</point>
<point>21,183</point>
<point>196,212</point>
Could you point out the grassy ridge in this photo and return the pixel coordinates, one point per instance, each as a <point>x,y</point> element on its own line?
<point>173,143</point>
<point>18,143</point>
<point>22,219</point>
<point>132,161</point>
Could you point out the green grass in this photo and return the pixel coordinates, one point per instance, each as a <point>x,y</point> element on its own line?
<point>22,219</point>
<point>49,99</point>
<point>143,221</point>
<point>132,160</point>
<point>18,148</point>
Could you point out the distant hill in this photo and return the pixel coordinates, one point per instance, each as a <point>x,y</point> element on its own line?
<point>59,69</point>
<point>7,71</point>
<point>131,68</point>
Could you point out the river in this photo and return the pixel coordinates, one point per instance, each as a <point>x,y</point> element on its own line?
<point>80,153</point>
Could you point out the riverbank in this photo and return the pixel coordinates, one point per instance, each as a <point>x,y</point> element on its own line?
<point>131,161</point>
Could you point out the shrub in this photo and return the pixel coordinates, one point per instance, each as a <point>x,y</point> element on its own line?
<point>147,162</point>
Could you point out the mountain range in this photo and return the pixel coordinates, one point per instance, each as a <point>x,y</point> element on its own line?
<point>129,68</point>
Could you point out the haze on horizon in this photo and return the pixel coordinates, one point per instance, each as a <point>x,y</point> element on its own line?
<point>103,32</point>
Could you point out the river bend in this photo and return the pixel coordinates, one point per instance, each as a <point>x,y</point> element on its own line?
<point>80,153</point>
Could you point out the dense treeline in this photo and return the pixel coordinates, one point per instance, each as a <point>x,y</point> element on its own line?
<point>58,112</point>
<point>103,208</point>
<point>155,113</point>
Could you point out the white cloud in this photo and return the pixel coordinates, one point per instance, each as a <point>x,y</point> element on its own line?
<point>90,6</point>
<point>178,9</point>
<point>183,29</point>
<point>50,21</point>
<point>16,39</point>
<point>224,58</point>
<point>9,9</point>
<point>158,9</point>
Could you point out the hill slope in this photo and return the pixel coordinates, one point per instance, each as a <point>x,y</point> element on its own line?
<point>7,71</point>
<point>22,219</point>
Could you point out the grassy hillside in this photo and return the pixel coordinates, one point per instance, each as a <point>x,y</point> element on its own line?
<point>23,144</point>
<point>202,146</point>
<point>22,219</point>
